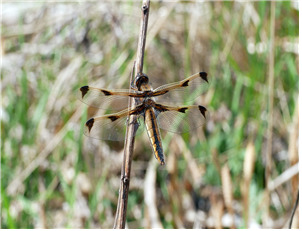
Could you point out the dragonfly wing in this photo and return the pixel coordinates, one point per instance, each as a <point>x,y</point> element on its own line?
<point>183,91</point>
<point>111,126</point>
<point>104,98</point>
<point>181,119</point>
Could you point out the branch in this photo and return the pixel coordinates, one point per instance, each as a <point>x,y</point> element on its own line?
<point>120,217</point>
<point>268,154</point>
<point>294,211</point>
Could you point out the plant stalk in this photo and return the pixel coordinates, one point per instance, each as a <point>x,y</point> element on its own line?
<point>120,217</point>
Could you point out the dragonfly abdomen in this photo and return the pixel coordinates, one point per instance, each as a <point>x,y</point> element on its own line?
<point>154,135</point>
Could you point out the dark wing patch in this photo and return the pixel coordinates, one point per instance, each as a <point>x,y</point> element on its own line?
<point>90,123</point>
<point>84,90</point>
<point>183,109</point>
<point>106,92</point>
<point>113,118</point>
<point>185,84</point>
<point>204,76</point>
<point>203,110</point>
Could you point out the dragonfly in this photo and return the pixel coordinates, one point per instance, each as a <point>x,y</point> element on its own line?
<point>155,107</point>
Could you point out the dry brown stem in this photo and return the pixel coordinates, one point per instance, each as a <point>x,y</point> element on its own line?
<point>120,218</point>
<point>268,167</point>
<point>294,212</point>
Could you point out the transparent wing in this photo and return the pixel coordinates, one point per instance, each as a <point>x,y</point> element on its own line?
<point>183,91</point>
<point>181,119</point>
<point>104,98</point>
<point>111,126</point>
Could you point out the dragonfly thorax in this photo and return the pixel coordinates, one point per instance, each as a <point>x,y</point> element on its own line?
<point>148,103</point>
<point>141,82</point>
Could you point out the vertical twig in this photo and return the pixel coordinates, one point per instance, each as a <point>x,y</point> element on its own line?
<point>268,168</point>
<point>294,211</point>
<point>120,217</point>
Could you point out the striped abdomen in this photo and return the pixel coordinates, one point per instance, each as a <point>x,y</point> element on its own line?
<point>154,135</point>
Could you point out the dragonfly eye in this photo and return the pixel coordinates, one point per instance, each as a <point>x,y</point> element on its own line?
<point>139,81</point>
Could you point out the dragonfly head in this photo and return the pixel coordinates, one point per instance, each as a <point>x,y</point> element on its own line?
<point>140,82</point>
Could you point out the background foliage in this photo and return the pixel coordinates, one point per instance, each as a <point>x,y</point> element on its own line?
<point>54,177</point>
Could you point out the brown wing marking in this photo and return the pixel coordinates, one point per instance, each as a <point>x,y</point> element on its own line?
<point>180,119</point>
<point>84,90</point>
<point>104,98</point>
<point>90,123</point>
<point>111,126</point>
<point>203,111</point>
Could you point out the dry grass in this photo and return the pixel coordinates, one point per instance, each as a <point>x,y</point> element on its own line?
<point>54,177</point>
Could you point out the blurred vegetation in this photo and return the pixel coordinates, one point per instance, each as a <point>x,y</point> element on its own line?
<point>52,176</point>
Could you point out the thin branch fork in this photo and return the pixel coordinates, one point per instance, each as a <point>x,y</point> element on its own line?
<point>120,218</point>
